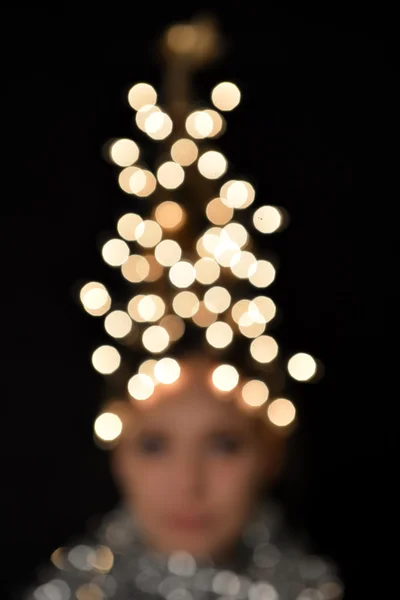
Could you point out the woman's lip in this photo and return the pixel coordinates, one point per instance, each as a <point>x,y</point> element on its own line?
<point>189,522</point>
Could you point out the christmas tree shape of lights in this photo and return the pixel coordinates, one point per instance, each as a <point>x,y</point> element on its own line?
<point>189,265</point>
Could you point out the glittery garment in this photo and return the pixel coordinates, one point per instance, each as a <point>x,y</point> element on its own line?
<point>114,563</point>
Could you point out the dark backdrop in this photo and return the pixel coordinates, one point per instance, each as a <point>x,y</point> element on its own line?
<point>316,132</point>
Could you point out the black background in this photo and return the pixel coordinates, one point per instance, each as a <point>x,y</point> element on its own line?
<point>316,133</point>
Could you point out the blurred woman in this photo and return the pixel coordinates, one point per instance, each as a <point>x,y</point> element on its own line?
<point>192,466</point>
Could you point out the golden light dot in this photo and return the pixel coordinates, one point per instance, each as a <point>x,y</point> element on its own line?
<point>158,125</point>
<point>199,124</point>
<point>217,299</point>
<point>140,386</point>
<point>103,560</point>
<point>182,274</point>
<point>302,366</point>
<point>124,178</point>
<point>255,392</point>
<point>174,326</point>
<point>148,233</point>
<point>115,252</point>
<point>219,334</point>
<point>237,233</point>
<point>239,309</point>
<point>267,219</point>
<point>226,251</point>
<point>155,338</point>
<point>262,309</point>
<point>170,175</point>
<point>211,239</point>
<point>168,252</point>
<point>218,213</point>
<point>59,558</point>
<point>184,152</point>
<point>263,275</point>
<point>151,307</point>
<point>218,123</point>
<point>264,349</point>
<point>250,328</point>
<point>207,270</point>
<point>204,317</point>
<point>95,298</point>
<point>108,426</point>
<point>124,152</point>
<point>225,96</point>
<point>212,164</point>
<point>89,591</point>
<point>225,377</point>
<point>167,370</point>
<point>118,323</point>
<point>141,94</point>
<point>127,224</point>
<point>106,359</point>
<point>243,264</point>
<point>133,309</point>
<point>147,368</point>
<point>169,214</point>
<point>281,412</point>
<point>144,113</point>
<point>182,38</point>
<point>185,304</point>
<point>136,268</point>
<point>155,269</point>
<point>137,181</point>
<point>145,185</point>
<point>237,194</point>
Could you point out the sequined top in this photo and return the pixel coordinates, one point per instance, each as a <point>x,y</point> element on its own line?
<point>113,562</point>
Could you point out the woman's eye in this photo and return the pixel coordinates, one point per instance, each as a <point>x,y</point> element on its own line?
<point>151,445</point>
<point>227,445</point>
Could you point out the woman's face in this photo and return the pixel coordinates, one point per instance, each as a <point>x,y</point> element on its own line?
<point>189,465</point>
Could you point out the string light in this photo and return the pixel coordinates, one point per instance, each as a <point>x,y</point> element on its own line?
<point>211,276</point>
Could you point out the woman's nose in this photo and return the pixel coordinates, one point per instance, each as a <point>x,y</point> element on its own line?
<point>188,474</point>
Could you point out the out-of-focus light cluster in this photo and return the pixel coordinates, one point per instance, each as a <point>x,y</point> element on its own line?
<point>190,287</point>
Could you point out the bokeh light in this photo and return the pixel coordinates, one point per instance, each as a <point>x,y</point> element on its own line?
<point>267,219</point>
<point>115,252</point>
<point>219,334</point>
<point>302,366</point>
<point>212,164</point>
<point>168,252</point>
<point>225,377</point>
<point>106,359</point>
<point>255,392</point>
<point>118,323</point>
<point>95,298</point>
<point>225,96</point>
<point>124,152</point>
<point>155,338</point>
<point>140,386</point>
<point>148,233</point>
<point>108,426</point>
<point>170,175</point>
<point>264,348</point>
<point>170,215</point>
<point>182,274</point>
<point>136,268</point>
<point>184,152</point>
<point>127,224</point>
<point>217,212</point>
<point>199,124</point>
<point>185,304</point>
<point>281,412</point>
<point>142,94</point>
<point>167,370</point>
